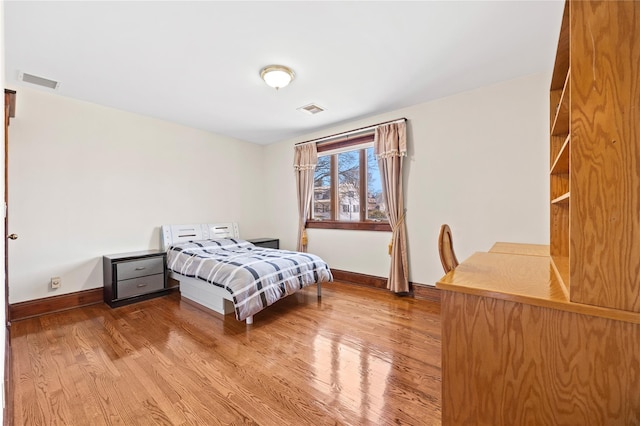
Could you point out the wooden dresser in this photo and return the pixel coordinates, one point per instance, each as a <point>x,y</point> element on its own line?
<point>551,335</point>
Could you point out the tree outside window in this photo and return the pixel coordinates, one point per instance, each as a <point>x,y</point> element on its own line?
<point>347,190</point>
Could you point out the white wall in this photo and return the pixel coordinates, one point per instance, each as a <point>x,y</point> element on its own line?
<point>478,161</point>
<point>87,180</point>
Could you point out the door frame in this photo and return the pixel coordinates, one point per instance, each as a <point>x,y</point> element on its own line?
<point>9,112</point>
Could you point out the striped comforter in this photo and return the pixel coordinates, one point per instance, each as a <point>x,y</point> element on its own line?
<point>255,277</point>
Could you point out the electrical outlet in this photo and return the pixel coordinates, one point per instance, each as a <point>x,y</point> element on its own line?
<point>56,282</point>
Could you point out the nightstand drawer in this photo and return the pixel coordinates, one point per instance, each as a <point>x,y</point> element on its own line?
<point>137,286</point>
<point>139,268</point>
<point>132,277</point>
<point>266,242</point>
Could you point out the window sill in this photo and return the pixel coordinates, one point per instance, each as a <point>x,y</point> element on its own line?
<point>355,226</point>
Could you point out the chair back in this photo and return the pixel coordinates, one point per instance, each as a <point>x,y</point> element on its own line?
<point>445,247</point>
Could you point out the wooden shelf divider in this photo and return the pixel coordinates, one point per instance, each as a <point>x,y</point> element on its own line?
<point>561,164</point>
<point>563,199</point>
<point>560,265</point>
<point>561,122</point>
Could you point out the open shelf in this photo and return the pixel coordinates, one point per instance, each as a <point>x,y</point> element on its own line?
<point>563,199</point>
<point>561,66</point>
<point>561,165</point>
<point>559,151</point>
<point>560,265</point>
<point>561,121</point>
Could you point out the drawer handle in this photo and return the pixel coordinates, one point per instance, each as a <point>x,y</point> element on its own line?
<point>141,285</point>
<point>140,268</point>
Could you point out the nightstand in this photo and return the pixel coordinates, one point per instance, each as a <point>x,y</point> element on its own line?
<point>132,277</point>
<point>266,242</point>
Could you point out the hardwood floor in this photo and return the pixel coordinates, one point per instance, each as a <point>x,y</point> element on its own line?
<point>357,356</point>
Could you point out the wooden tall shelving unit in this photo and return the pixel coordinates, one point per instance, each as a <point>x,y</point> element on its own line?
<point>604,214</point>
<point>595,155</point>
<point>560,146</point>
<point>537,337</point>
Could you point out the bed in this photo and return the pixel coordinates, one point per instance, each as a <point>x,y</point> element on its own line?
<point>218,270</point>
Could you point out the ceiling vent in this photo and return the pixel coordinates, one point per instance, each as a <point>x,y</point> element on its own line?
<point>311,109</point>
<point>38,81</point>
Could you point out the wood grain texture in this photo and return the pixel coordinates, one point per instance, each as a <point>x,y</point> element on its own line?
<point>560,266</point>
<point>523,279</point>
<point>528,279</point>
<point>426,292</point>
<point>561,65</point>
<point>357,356</point>
<point>417,290</point>
<point>560,123</point>
<point>554,103</point>
<point>7,414</point>
<point>605,154</point>
<point>559,230</point>
<point>447,253</point>
<point>559,176</point>
<point>359,226</point>
<point>563,199</point>
<point>559,184</point>
<point>47,305</point>
<point>520,248</point>
<point>507,363</point>
<point>560,163</point>
<point>358,278</point>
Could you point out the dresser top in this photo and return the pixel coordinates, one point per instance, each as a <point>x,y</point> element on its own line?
<point>528,278</point>
<point>134,255</point>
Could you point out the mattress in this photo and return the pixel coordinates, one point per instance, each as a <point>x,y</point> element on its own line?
<point>255,277</point>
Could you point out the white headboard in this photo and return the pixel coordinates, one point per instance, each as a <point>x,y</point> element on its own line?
<point>173,234</point>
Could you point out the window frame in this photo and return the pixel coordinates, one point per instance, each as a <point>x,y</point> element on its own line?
<point>339,145</point>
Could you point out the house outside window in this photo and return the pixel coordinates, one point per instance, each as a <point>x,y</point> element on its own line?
<point>347,189</point>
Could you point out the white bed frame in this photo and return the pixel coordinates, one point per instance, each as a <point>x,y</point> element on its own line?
<point>195,290</point>
<point>174,234</point>
<point>209,296</point>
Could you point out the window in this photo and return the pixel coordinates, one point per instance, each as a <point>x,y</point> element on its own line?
<point>322,190</point>
<point>347,189</point>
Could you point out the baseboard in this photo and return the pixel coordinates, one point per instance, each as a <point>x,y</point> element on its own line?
<point>426,292</point>
<point>48,305</point>
<point>34,308</point>
<point>358,278</point>
<point>418,291</point>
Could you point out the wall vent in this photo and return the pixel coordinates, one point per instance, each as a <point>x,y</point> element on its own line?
<point>38,81</point>
<point>311,109</point>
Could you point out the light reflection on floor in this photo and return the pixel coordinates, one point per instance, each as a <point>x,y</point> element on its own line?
<point>356,378</point>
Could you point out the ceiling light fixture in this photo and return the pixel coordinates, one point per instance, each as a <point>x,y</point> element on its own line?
<point>277,76</point>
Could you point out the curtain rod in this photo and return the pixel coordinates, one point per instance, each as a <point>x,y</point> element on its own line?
<point>361,129</point>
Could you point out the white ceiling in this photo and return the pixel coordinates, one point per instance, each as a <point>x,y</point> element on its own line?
<point>198,63</point>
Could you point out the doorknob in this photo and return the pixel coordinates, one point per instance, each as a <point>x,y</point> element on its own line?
<point>12,237</point>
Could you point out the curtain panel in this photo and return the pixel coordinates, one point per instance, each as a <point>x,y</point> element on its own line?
<point>390,147</point>
<point>304,165</point>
